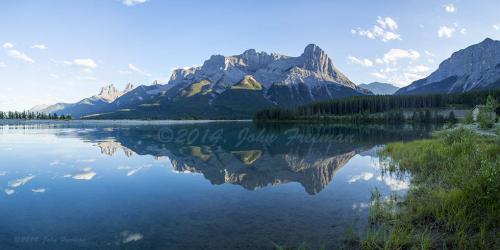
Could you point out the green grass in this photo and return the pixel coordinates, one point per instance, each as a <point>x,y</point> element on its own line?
<point>454,196</point>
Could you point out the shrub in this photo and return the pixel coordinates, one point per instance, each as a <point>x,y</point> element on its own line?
<point>485,120</point>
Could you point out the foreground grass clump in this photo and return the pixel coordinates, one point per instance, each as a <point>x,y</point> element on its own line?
<point>454,196</point>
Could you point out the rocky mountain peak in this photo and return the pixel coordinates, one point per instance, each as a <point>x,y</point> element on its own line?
<point>472,61</point>
<point>129,87</point>
<point>317,60</point>
<point>110,93</point>
<point>473,68</point>
<point>313,50</point>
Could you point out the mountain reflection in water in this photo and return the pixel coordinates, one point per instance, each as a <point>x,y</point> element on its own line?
<point>112,186</point>
<point>251,156</point>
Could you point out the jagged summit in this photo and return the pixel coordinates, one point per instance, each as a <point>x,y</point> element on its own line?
<point>313,67</point>
<point>110,93</point>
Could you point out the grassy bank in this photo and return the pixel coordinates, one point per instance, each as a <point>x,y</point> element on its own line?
<point>454,196</point>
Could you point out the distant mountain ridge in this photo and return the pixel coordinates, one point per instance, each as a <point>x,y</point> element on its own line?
<point>229,87</point>
<point>107,95</point>
<point>476,67</point>
<point>380,88</point>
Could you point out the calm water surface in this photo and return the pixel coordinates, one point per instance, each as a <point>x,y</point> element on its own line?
<point>197,186</point>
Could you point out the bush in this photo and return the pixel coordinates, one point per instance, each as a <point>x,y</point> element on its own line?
<point>485,120</point>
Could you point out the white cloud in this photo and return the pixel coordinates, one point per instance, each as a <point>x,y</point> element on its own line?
<point>39,46</point>
<point>463,31</point>
<point>8,45</point>
<point>20,182</point>
<point>396,54</point>
<point>366,176</point>
<point>450,8</point>
<point>55,76</point>
<point>445,31</point>
<point>86,175</point>
<point>380,30</point>
<point>379,75</point>
<point>363,62</point>
<point>85,64</point>
<point>388,36</point>
<point>38,190</point>
<point>418,69</point>
<point>16,54</point>
<point>133,2</point>
<point>394,184</point>
<point>135,69</point>
<point>496,27</point>
<point>19,55</point>
<point>9,191</point>
<point>399,76</point>
<point>2,64</point>
<point>387,22</point>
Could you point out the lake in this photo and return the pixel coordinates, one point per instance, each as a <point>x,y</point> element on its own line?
<point>219,185</point>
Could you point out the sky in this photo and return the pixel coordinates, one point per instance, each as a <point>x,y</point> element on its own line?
<point>63,51</point>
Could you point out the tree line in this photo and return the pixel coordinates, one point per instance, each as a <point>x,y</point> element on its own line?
<point>390,117</point>
<point>363,105</point>
<point>28,115</point>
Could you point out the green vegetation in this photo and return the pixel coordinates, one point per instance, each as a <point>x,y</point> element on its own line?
<point>454,196</point>
<point>248,83</point>
<point>196,88</point>
<point>27,115</point>
<point>485,119</point>
<point>361,105</point>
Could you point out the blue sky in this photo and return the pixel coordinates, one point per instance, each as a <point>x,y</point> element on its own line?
<point>62,51</point>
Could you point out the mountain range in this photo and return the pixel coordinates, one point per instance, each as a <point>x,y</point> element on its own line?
<point>224,87</point>
<point>235,87</point>
<point>86,106</point>
<point>380,88</point>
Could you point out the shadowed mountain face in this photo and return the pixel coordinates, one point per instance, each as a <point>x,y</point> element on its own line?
<point>474,68</point>
<point>249,156</point>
